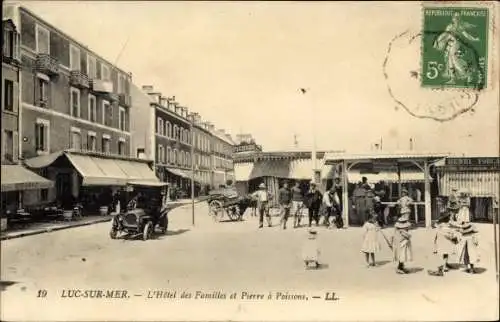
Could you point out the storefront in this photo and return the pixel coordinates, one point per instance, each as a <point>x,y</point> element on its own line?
<point>390,174</point>
<point>18,181</point>
<point>480,177</point>
<point>91,178</point>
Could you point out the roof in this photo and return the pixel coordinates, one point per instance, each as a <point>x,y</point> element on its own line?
<point>335,157</point>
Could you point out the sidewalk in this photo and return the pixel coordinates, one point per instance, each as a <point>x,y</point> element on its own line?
<point>46,227</point>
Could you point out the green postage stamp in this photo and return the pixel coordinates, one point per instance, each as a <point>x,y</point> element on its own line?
<point>455,47</point>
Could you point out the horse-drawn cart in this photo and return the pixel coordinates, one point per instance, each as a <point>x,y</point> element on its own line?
<point>226,201</point>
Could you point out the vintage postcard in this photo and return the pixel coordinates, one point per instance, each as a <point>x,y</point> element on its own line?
<point>250,161</point>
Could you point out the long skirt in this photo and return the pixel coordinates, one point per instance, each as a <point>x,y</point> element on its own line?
<point>468,252</point>
<point>402,251</point>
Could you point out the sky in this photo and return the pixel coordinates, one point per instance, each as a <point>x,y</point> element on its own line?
<point>241,64</point>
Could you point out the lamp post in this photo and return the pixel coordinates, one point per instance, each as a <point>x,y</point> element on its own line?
<point>314,169</point>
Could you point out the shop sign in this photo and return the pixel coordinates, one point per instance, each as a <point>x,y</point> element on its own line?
<point>466,163</point>
<point>247,148</point>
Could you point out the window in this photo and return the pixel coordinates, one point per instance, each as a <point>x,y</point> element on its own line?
<point>76,139</point>
<point>107,113</point>
<point>75,102</point>
<point>168,129</point>
<point>105,143</point>
<point>42,85</point>
<point>188,159</point>
<point>121,147</point>
<point>161,153</point>
<point>74,58</point>
<point>159,127</point>
<point>8,96</point>
<point>42,40</point>
<point>122,79</point>
<point>91,67</point>
<point>122,118</point>
<point>42,135</point>
<point>176,157</point>
<point>91,141</point>
<point>176,133</point>
<point>9,45</point>
<point>182,158</point>
<point>105,72</point>
<point>92,108</point>
<point>169,155</point>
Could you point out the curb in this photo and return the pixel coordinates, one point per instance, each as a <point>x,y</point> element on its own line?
<point>97,221</point>
<point>48,230</point>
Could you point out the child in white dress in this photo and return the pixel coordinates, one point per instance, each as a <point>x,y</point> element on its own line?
<point>310,251</point>
<point>444,243</point>
<point>371,244</point>
<point>468,247</point>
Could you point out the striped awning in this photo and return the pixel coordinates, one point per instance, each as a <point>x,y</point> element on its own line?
<point>478,183</point>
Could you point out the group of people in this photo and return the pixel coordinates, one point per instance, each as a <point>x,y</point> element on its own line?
<point>293,201</point>
<point>455,235</point>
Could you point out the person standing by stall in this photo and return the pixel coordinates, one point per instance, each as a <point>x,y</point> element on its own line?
<point>285,201</point>
<point>263,197</point>
<point>463,214</point>
<point>404,204</point>
<point>401,244</point>
<point>313,203</point>
<point>297,203</point>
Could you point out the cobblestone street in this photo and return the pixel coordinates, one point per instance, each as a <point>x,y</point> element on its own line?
<point>226,257</point>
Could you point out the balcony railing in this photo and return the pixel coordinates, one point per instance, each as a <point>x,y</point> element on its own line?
<point>47,64</point>
<point>125,100</point>
<point>79,79</point>
<point>11,61</point>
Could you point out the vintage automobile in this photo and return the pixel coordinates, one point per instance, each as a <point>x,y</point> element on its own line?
<point>146,210</point>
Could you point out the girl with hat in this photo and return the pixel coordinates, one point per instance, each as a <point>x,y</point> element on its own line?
<point>371,244</point>
<point>468,246</point>
<point>444,243</point>
<point>404,204</point>
<point>310,250</point>
<point>401,244</point>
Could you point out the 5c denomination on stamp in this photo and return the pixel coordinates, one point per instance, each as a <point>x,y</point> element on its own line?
<point>455,47</point>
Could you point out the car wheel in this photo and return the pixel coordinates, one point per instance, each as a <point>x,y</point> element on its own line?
<point>146,234</point>
<point>112,233</point>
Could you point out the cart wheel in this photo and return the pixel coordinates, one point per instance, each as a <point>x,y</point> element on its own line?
<point>148,229</point>
<point>216,210</point>
<point>233,213</point>
<point>112,233</point>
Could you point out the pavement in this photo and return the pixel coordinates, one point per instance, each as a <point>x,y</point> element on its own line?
<point>262,267</point>
<point>36,228</point>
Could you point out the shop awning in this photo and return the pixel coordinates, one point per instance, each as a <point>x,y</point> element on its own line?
<point>271,168</point>
<point>242,171</point>
<point>16,177</point>
<point>99,171</point>
<point>301,169</point>
<point>479,184</point>
<point>180,173</point>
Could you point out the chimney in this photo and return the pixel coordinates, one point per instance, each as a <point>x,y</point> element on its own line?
<point>147,88</point>
<point>176,107</point>
<point>163,99</point>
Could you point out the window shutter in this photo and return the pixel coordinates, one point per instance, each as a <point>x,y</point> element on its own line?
<point>15,97</point>
<point>3,145</point>
<point>15,147</point>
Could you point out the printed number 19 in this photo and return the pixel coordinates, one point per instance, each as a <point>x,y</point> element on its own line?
<point>42,293</point>
<point>433,69</point>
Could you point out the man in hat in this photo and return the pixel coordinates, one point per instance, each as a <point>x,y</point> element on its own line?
<point>404,204</point>
<point>314,199</point>
<point>263,197</point>
<point>285,201</point>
